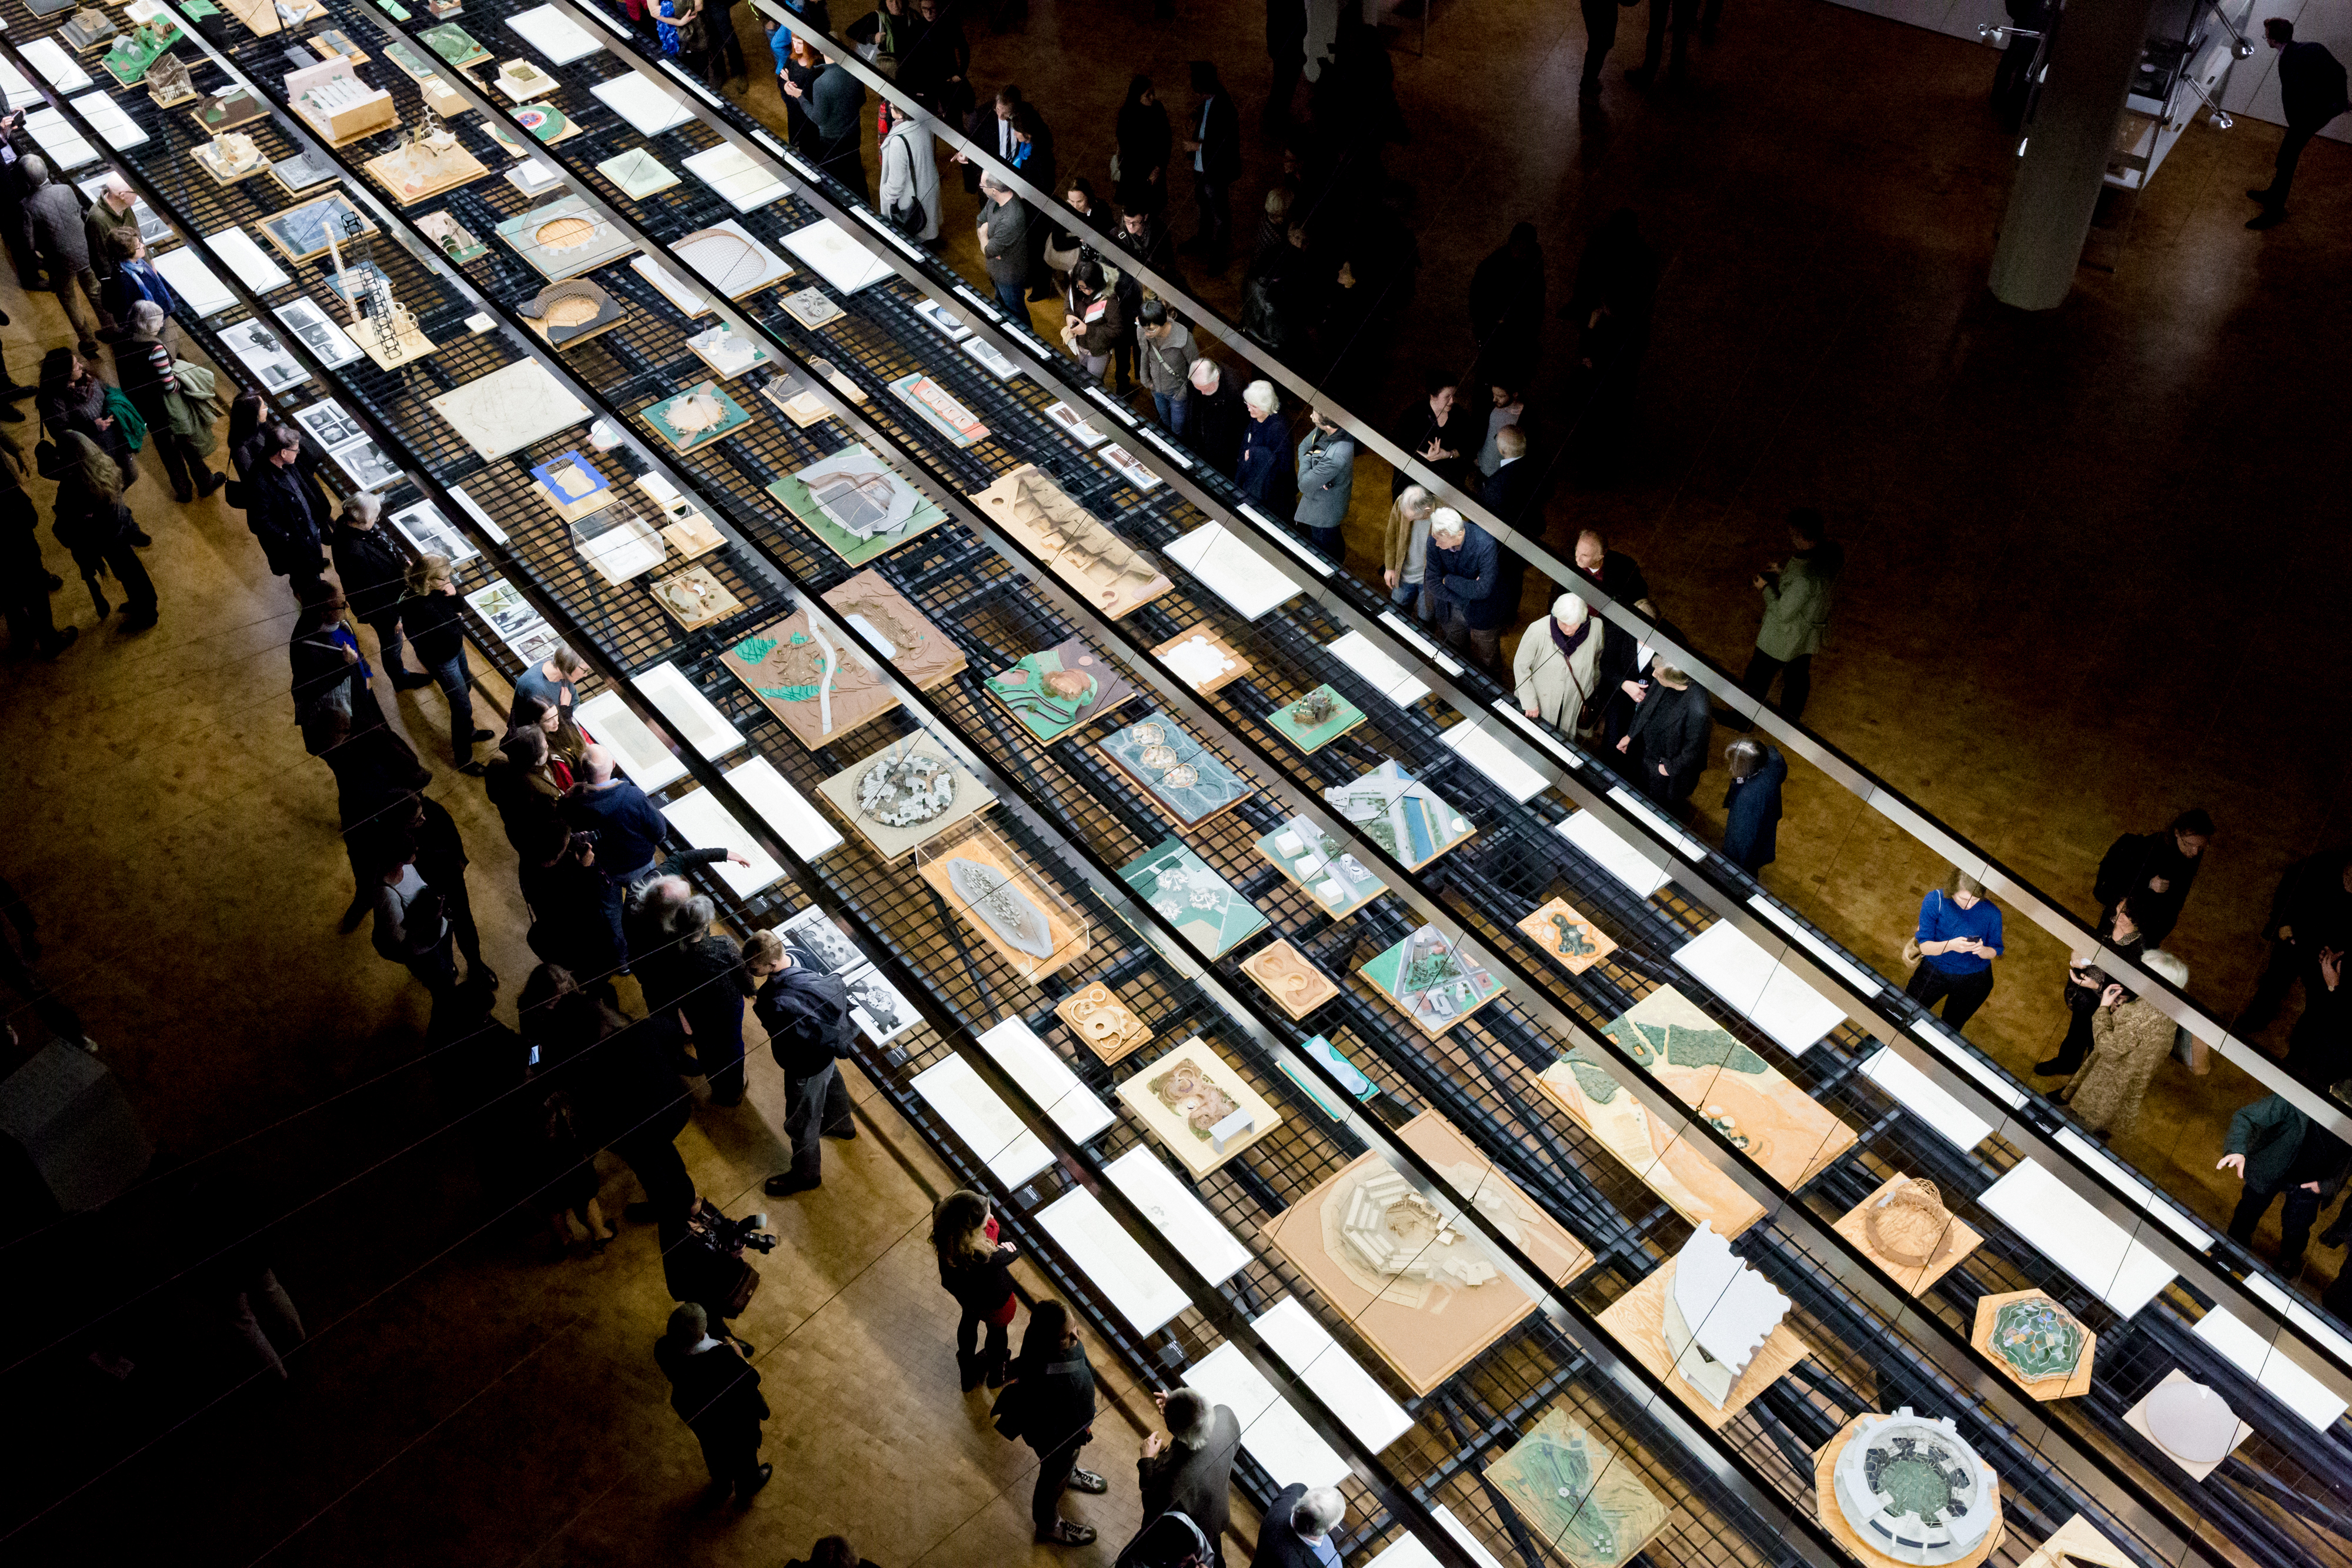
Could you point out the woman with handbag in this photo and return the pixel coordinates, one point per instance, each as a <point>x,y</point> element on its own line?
<point>96,527</point>
<point>72,397</point>
<point>911,177</point>
<point>2085,986</point>
<point>976,1269</point>
<point>1957,939</point>
<point>1049,1396</point>
<point>1556,671</point>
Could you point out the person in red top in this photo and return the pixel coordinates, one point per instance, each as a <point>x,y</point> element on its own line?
<point>976,1269</point>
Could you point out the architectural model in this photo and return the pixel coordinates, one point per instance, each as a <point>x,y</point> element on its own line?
<point>1905,1229</point>
<point>2043,1348</point>
<point>695,417</point>
<point>565,238</point>
<point>1682,1175</point>
<point>573,485</point>
<point>1578,1497</point>
<point>572,311</point>
<point>304,232</point>
<point>1434,982</point>
<point>819,691</point>
<point>986,882</point>
<point>911,790</point>
<point>694,598</point>
<point>545,122</point>
<point>689,533</point>
<point>1076,546</point>
<point>882,615</point>
<point>727,352</point>
<point>1401,814</point>
<point>638,173</point>
<point>227,111</point>
<point>1351,1077</point>
<point>452,236</point>
<point>168,84</point>
<point>1318,864</point>
<point>1285,975</point>
<point>303,171</point>
<point>1315,720</point>
<point>1718,1313</point>
<point>857,504</point>
<point>1907,1489</point>
<point>2189,1423</point>
<point>1566,936</point>
<point>620,545</point>
<point>453,45</point>
<point>510,408</point>
<point>522,81</point>
<point>136,52</point>
<point>85,30</point>
<point>333,100</point>
<point>937,407</point>
<point>1203,659</point>
<point>1199,1105</point>
<point>229,157</point>
<point>1175,772</point>
<point>428,161</point>
<point>1763,1116</point>
<point>734,263</point>
<point>1100,1018</point>
<point>1058,689</point>
<point>812,308</point>
<point>1204,907</point>
<point>1417,1283</point>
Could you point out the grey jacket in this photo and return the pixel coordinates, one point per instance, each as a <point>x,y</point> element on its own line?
<point>53,214</point>
<point>1326,478</point>
<point>910,169</point>
<point>1168,363</point>
<point>1005,241</point>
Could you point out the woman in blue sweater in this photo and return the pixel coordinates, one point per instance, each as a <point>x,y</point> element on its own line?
<point>1959,939</point>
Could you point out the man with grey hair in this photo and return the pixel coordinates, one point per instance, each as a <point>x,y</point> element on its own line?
<point>144,369</point>
<point>1190,1470</point>
<point>1466,592</point>
<point>374,574</point>
<point>1004,246</point>
<point>114,213</point>
<point>1325,466</point>
<point>1297,1528</point>
<point>53,218</point>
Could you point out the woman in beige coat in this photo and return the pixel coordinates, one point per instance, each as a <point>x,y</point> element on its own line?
<point>1557,665</point>
<point>2130,1039</point>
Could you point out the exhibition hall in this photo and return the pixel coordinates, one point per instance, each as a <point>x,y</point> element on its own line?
<point>1334,1031</point>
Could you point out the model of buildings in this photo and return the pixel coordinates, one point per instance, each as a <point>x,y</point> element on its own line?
<point>1391,1229</point>
<point>1079,547</point>
<point>230,156</point>
<point>994,901</point>
<point>86,29</point>
<point>1913,1491</point>
<point>1401,814</point>
<point>168,84</point>
<point>1718,1313</point>
<point>428,161</point>
<point>456,241</point>
<point>906,787</point>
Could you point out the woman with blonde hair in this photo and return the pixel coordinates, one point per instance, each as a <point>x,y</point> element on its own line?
<point>1404,552</point>
<point>96,527</point>
<point>976,1269</point>
<point>1957,939</point>
<point>431,615</point>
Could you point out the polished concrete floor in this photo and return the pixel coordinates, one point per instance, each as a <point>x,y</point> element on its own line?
<point>2094,541</point>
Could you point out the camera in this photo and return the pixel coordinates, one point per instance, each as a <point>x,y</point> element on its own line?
<point>728,1235</point>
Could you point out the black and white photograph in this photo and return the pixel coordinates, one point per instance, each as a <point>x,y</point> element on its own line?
<point>319,333</point>
<point>424,527</point>
<point>509,613</point>
<point>259,349</point>
<point>328,423</point>
<point>815,941</point>
<point>367,464</point>
<point>882,1014</point>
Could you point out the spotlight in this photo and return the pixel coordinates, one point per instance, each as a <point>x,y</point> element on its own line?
<point>1999,35</point>
<point>2221,121</point>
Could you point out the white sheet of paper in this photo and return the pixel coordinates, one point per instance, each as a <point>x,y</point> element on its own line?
<point>2136,1187</point>
<point>1046,1079</point>
<point>1178,1213</point>
<point>1588,833</point>
<point>247,260</point>
<point>790,814</point>
<point>834,255</point>
<point>728,170</point>
<point>698,720</point>
<point>1853,974</point>
<point>1275,1434</point>
<point>58,68</point>
<point>1404,1552</point>
<point>18,92</point>
<point>1387,676</point>
<point>2298,1311</point>
<point>106,117</point>
<point>707,825</point>
<point>1639,806</point>
<point>1461,1533</point>
<point>1748,977</point>
<point>643,761</point>
<point>2077,1238</point>
<point>554,35</point>
<point>59,142</point>
<point>977,1114</point>
<point>1920,1096</point>
<point>198,286</point>
<point>2250,1353</point>
<point>1234,572</point>
<point>1484,750</point>
<point>1337,1378</point>
<point>1140,1288</point>
<point>648,109</point>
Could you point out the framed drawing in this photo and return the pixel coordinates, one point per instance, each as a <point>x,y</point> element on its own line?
<point>1905,1229</point>
<point>1683,1176</point>
<point>1058,689</point>
<point>877,612</point>
<point>1321,867</point>
<point>694,598</point>
<point>318,332</point>
<point>1401,814</point>
<point>695,417</point>
<point>1284,973</point>
<point>509,409</point>
<point>1016,911</point>
<point>300,233</point>
<point>1200,1105</point>
<point>425,527</point>
<point>857,504</point>
<point>1576,1496</point>
<point>1434,982</point>
<point>1101,1018</point>
<point>1566,936</point>
<point>1775,1124</point>
<point>1205,909</point>
<point>908,792</point>
<point>819,691</point>
<point>1205,661</point>
<point>1078,546</point>
<point>1189,783</point>
<point>565,238</point>
<point>1073,423</point>
<point>1423,1291</point>
<point>1315,720</point>
<point>735,263</point>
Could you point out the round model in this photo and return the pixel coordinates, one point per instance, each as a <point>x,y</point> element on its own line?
<point>1913,1491</point>
<point>906,791</point>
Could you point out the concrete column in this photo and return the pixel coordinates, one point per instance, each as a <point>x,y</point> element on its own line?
<point>2068,140</point>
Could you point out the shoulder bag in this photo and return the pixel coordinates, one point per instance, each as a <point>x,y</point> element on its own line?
<point>1911,954</point>
<point>1011,1411</point>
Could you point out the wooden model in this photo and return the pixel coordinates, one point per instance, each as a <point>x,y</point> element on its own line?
<point>1566,936</point>
<point>1581,1500</point>
<point>226,110</point>
<point>428,161</point>
<point>695,417</point>
<point>1206,662</point>
<point>1189,783</point>
<point>694,598</point>
<point>1099,1016</point>
<point>546,124</point>
<point>731,258</point>
<point>911,791</point>
<point>819,691</point>
<point>812,308</point>
<point>522,81</point>
<point>1060,689</point>
<point>229,157</point>
<point>456,242</point>
<point>1906,1230</point>
<point>857,504</point>
<point>1315,720</point>
<point>914,646</point>
<point>2040,1345</point>
<point>1682,1175</point>
<point>1969,1502</point>
<point>453,45</point>
<point>1200,1105</point>
<point>569,313</point>
<point>1016,913</point>
<point>937,407</point>
<point>1418,1284</point>
<point>1298,985</point>
<point>333,100</point>
<point>168,84</point>
<point>1321,867</point>
<point>85,30</point>
<point>727,352</point>
<point>1429,975</point>
<point>1076,546</point>
<point>137,52</point>
<point>2077,1543</point>
<point>573,485</point>
<point>689,533</point>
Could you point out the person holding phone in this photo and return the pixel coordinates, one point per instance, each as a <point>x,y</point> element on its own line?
<point>1958,940</point>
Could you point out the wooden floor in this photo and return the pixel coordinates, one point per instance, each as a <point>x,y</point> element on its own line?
<point>2097,542</point>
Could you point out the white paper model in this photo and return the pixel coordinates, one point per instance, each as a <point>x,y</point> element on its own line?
<point>859,492</point>
<point>1719,1314</point>
<point>1912,1491</point>
<point>833,255</point>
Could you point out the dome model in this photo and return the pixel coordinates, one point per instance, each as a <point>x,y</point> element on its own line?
<point>1913,1491</point>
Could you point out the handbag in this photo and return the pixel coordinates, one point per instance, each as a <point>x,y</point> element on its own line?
<point>1911,954</point>
<point>740,1293</point>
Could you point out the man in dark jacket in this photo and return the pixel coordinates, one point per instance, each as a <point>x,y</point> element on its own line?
<point>837,106</point>
<point>285,510</point>
<point>2276,1149</point>
<point>1216,416</point>
<point>1004,246</point>
<point>2311,912</point>
<point>1436,430</point>
<point>1665,746</point>
<point>1190,1470</point>
<point>810,1029</point>
<point>1297,1528</point>
<point>53,219</point>
<point>564,890</point>
<point>441,861</point>
<point>1464,587</point>
<point>629,831</point>
<point>2311,90</point>
<point>373,577</point>
<point>1213,145</point>
<point>1286,47</point>
<point>1514,491</point>
<point>717,1392</point>
<point>15,146</point>
<point>1261,468</point>
<point>2154,871</point>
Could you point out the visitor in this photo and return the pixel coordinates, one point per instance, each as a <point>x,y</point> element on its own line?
<point>1168,356</point>
<point>433,616</point>
<point>143,365</point>
<point>1325,465</point>
<point>2310,911</point>
<point>1433,430</point>
<point>441,860</point>
<point>837,103</point>
<point>1752,804</point>
<point>1297,1530</point>
<point>1668,742</point>
<point>1957,939</point>
<point>374,574</point>
<point>2275,1149</point>
<point>411,927</point>
<point>1141,161</point>
<point>2086,985</point>
<point>2311,93</point>
<point>976,1269</point>
<point>2155,871</point>
<point>285,510</point>
<point>2131,1037</point>
<point>25,577</point>
<point>1261,468</point>
<point>1557,670</point>
<point>910,178</point>
<point>97,529</point>
<point>1004,246</point>
<point>53,219</point>
<point>1217,416</point>
<point>1798,595</point>
<point>831,1551</point>
<point>1404,547</point>
<point>810,1029</point>
<point>716,1392</point>
<point>629,831</point>
<point>701,974</point>
<point>1051,1388</point>
<point>563,1177</point>
<point>1213,150</point>
<point>555,681</point>
<point>1092,321</point>
<point>1462,584</point>
<point>1190,1468</point>
<point>74,397</point>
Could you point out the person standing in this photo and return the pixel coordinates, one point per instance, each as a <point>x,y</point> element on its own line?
<point>1286,48</point>
<point>1957,939</point>
<point>1404,547</point>
<point>1190,1470</point>
<point>1092,321</point>
<point>553,685</point>
<point>1259,470</point>
<point>2311,91</point>
<point>73,397</point>
<point>1167,355</point>
<point>1433,431</point>
<point>2086,985</point>
<point>1797,600</point>
<point>706,980</point>
<point>53,216</point>
<point>95,525</point>
<point>1462,588</point>
<point>373,574</point>
<point>1557,670</point>
<point>2154,871</point>
<point>2131,1037</point>
<point>24,576</point>
<point>1514,491</point>
<point>1296,1533</point>
<point>432,614</point>
<point>810,1029</point>
<point>1055,1398</point>
<point>1327,483</point>
<point>2311,912</point>
<point>2276,1149</point>
<point>411,927</point>
<point>726,62</point>
<point>837,106</point>
<point>910,178</point>
<point>441,861</point>
<point>629,831</point>
<point>285,510</point>
<point>523,788</point>
<point>1668,742</point>
<point>1217,416</point>
<point>1141,180</point>
<point>798,65</point>
<point>1004,246</point>
<point>143,367</point>
<point>976,1269</point>
<point>1752,804</point>
<point>716,1392</point>
<point>1600,37</point>
<point>1215,148</point>
<point>2319,1047</point>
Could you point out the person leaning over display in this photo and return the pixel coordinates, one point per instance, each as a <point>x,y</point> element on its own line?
<point>1957,939</point>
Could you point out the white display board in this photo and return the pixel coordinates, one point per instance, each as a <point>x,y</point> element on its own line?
<point>1177,1213</point>
<point>2253,1355</point>
<point>59,142</point>
<point>643,761</point>
<point>1920,1096</point>
<point>789,814</point>
<point>199,287</point>
<point>1482,748</point>
<point>1336,1378</point>
<point>975,1114</point>
<point>1830,958</point>
<point>1047,1079</point>
<point>1461,1533</point>
<point>1139,1289</point>
<point>1635,805</point>
<point>694,717</point>
<point>106,117</point>
<point>554,35</point>
<point>1621,859</point>
<point>251,264</point>
<point>1275,1434</point>
<point>1232,570</point>
<point>2077,1238</point>
<point>648,109</point>
<point>706,824</point>
<point>58,68</point>
<point>18,92</point>
<point>728,170</point>
<point>1388,677</point>
<point>829,251</point>
<point>1748,977</point>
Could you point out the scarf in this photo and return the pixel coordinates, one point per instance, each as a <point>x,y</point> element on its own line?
<point>1567,645</point>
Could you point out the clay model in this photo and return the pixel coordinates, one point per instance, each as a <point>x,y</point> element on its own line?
<point>1076,546</point>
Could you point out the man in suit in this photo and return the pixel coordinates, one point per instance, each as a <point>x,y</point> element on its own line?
<point>1296,1533</point>
<point>1666,742</point>
<point>1213,144</point>
<point>1513,492</point>
<point>1190,1468</point>
<point>2311,90</point>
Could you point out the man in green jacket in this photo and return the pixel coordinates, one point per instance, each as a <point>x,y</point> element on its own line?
<point>1796,615</point>
<point>2275,1148</point>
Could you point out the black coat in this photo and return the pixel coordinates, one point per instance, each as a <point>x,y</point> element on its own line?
<point>1143,145</point>
<point>1217,421</point>
<point>717,1391</point>
<point>435,622</point>
<point>288,516</point>
<point>1278,1545</point>
<point>567,906</point>
<point>1221,147</point>
<point>2131,861</point>
<point>370,568</point>
<point>1419,426</point>
<point>1752,813</point>
<point>2311,899</point>
<point>1196,1483</point>
<point>1671,729</point>
<point>979,1287</point>
<point>1514,493</point>
<point>2311,86</point>
<point>807,1019</point>
<point>1057,1397</point>
<point>1262,469</point>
